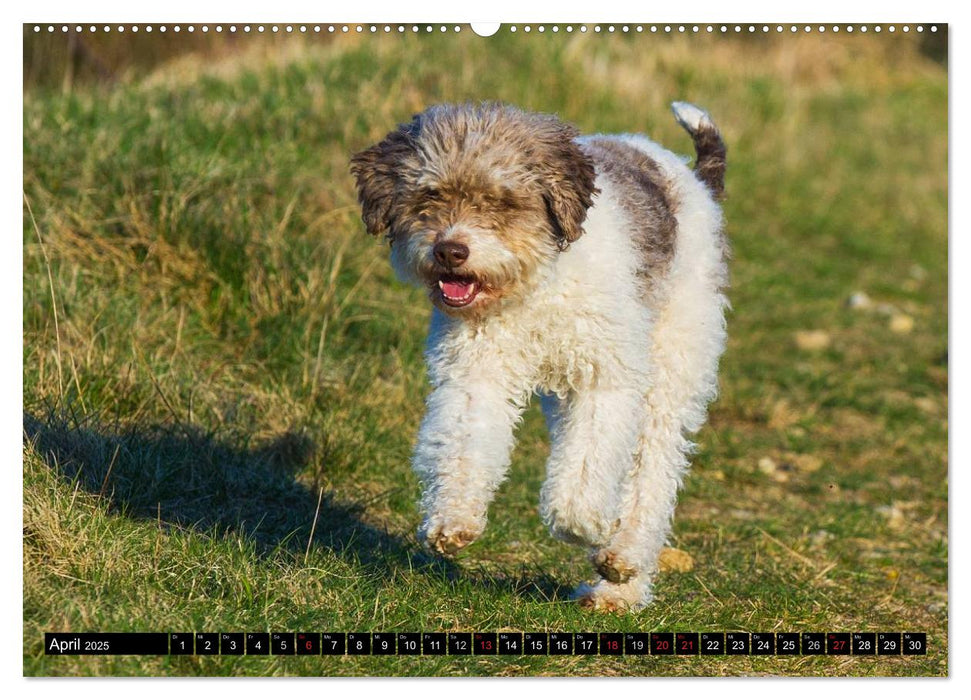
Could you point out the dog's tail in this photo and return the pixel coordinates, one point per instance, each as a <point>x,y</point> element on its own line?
<point>710,163</point>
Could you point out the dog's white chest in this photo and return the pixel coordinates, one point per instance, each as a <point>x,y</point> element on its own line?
<point>564,342</point>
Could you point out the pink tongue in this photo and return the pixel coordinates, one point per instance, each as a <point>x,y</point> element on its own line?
<point>456,290</point>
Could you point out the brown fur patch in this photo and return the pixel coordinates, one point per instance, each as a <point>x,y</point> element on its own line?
<point>375,171</point>
<point>644,195</point>
<point>710,165</point>
<point>485,156</point>
<point>612,567</point>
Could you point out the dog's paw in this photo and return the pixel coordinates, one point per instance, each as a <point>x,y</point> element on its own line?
<point>605,596</point>
<point>448,545</point>
<point>447,538</point>
<point>612,566</point>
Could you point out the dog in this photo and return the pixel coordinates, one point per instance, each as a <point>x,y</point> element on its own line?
<point>588,269</point>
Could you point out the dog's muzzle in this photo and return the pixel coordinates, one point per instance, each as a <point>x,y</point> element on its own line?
<point>457,289</point>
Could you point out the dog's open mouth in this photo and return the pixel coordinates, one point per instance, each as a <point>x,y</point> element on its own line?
<point>458,291</point>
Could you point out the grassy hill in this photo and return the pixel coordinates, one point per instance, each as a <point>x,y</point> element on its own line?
<point>222,380</point>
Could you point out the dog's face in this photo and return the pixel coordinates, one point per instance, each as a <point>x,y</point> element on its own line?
<point>474,200</point>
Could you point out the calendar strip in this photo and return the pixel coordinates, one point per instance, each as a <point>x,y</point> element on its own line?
<point>683,644</point>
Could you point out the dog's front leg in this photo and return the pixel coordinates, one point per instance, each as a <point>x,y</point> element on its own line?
<point>461,458</point>
<point>594,437</point>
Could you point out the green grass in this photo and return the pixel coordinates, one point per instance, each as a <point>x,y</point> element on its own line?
<point>218,362</point>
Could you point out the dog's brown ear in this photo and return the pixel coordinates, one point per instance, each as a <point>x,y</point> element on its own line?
<point>570,185</point>
<point>375,170</point>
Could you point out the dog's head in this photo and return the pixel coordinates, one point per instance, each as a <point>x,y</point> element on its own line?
<point>474,200</point>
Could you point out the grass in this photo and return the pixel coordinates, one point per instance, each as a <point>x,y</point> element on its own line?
<point>218,362</point>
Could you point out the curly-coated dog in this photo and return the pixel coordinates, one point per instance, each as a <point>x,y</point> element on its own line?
<point>588,269</point>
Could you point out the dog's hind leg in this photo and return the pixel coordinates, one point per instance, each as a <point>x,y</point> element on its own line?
<point>686,342</point>
<point>685,365</point>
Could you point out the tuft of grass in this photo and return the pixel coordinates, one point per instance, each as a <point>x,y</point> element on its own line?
<point>222,379</point>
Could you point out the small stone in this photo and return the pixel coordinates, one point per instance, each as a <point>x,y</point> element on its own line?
<point>767,465</point>
<point>917,272</point>
<point>926,404</point>
<point>675,560</point>
<point>901,324</point>
<point>894,516</point>
<point>812,340</point>
<point>859,301</point>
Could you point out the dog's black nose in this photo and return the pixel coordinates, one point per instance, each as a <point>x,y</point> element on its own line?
<point>451,254</point>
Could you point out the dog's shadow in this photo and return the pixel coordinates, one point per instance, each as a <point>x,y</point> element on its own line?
<point>183,477</point>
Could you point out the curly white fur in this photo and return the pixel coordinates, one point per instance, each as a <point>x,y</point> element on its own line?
<point>625,371</point>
